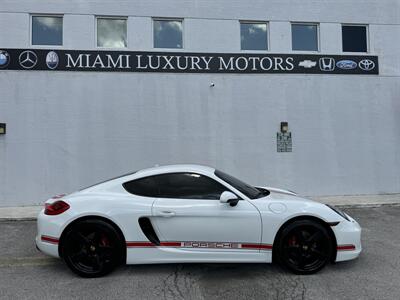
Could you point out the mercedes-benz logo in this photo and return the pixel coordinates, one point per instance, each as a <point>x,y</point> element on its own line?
<point>366,64</point>
<point>28,59</point>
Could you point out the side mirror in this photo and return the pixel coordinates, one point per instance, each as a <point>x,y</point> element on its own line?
<point>229,197</point>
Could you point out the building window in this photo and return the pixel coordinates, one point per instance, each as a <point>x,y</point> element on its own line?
<point>305,37</point>
<point>47,30</point>
<point>253,36</point>
<point>168,33</point>
<point>354,38</point>
<point>111,32</point>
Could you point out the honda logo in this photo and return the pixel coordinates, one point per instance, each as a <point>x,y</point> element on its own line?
<point>327,64</point>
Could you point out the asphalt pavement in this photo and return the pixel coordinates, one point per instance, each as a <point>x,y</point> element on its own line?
<point>25,273</point>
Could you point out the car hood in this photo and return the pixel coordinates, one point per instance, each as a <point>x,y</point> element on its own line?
<point>278,190</point>
<point>282,194</point>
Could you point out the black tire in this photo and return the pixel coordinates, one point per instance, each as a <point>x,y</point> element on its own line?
<point>92,248</point>
<point>304,247</point>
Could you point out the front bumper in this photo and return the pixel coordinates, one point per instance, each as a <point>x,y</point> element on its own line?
<point>348,238</point>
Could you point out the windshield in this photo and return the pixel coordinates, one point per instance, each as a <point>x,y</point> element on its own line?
<point>249,190</point>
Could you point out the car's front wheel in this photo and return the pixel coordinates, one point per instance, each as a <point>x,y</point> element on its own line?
<point>304,247</point>
<point>92,248</point>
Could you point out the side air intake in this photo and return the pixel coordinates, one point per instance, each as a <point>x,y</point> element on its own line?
<point>148,230</point>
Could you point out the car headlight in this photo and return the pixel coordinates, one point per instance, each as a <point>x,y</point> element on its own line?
<point>339,212</point>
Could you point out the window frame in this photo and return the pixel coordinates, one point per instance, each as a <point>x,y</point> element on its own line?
<point>31,16</point>
<point>222,183</point>
<point>254,22</point>
<point>96,17</point>
<point>182,20</point>
<point>366,33</point>
<point>317,24</point>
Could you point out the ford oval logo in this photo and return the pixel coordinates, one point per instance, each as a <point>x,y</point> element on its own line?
<point>346,64</point>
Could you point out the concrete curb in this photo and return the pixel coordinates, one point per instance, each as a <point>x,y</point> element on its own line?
<point>29,213</point>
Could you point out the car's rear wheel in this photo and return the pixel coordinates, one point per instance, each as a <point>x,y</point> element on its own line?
<point>92,248</point>
<point>304,247</point>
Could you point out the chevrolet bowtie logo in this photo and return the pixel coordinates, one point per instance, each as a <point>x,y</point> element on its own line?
<point>307,64</point>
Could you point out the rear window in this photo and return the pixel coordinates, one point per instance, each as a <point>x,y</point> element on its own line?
<point>104,181</point>
<point>145,187</point>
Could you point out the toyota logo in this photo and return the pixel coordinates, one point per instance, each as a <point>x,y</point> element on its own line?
<point>366,65</point>
<point>28,59</point>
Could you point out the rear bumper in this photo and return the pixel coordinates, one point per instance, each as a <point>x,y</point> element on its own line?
<point>348,238</point>
<point>47,237</point>
<point>47,245</point>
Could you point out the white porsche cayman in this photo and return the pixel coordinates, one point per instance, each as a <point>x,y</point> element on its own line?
<point>191,213</point>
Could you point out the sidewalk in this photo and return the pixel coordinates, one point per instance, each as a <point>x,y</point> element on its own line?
<point>31,212</point>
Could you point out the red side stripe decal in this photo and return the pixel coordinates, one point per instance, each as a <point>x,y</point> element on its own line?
<point>207,245</point>
<point>257,246</point>
<point>139,244</point>
<point>170,244</point>
<point>346,247</point>
<point>49,239</point>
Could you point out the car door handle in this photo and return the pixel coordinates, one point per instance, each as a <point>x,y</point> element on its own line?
<point>165,213</point>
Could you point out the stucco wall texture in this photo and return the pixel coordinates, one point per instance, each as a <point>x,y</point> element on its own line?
<point>66,130</point>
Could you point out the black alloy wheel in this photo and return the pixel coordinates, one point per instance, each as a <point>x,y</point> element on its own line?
<point>92,248</point>
<point>304,247</point>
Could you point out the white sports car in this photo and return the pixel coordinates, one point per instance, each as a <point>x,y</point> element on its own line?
<point>191,213</point>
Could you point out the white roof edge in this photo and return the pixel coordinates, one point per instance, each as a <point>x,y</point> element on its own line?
<point>178,168</point>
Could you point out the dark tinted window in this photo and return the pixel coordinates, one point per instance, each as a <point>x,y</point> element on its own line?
<point>176,185</point>
<point>247,189</point>
<point>189,186</point>
<point>354,38</point>
<point>146,187</point>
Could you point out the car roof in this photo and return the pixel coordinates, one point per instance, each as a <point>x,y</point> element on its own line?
<point>176,168</point>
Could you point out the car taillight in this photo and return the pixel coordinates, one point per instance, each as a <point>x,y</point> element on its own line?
<point>55,208</point>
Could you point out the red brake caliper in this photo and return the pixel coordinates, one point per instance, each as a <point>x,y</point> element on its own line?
<point>104,241</point>
<point>292,241</point>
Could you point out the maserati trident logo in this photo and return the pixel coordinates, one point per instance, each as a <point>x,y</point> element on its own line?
<point>28,59</point>
<point>327,64</point>
<point>366,65</point>
<point>52,60</point>
<point>4,59</point>
<point>307,64</point>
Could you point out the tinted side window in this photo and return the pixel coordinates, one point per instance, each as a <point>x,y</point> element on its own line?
<point>189,186</point>
<point>146,187</point>
<point>354,38</point>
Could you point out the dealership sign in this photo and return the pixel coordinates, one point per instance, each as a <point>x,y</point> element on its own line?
<point>180,62</point>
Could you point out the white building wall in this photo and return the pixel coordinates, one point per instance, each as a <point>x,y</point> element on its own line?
<point>66,130</point>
